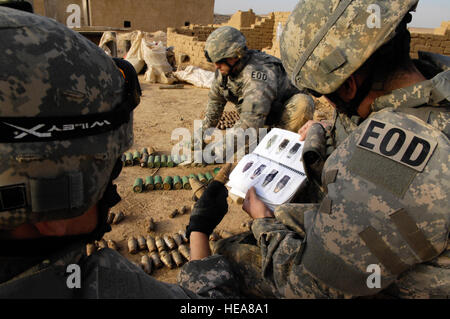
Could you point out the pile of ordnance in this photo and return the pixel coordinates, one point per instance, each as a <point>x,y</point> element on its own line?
<point>228,119</point>
<point>176,182</point>
<point>158,249</point>
<point>169,250</point>
<point>148,157</point>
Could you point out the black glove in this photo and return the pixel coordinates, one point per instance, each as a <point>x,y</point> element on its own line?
<point>209,210</point>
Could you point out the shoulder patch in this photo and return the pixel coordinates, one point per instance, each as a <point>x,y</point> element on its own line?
<point>398,144</point>
<point>259,76</point>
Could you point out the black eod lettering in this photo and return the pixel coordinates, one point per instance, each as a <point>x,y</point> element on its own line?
<point>391,142</point>
<point>407,157</point>
<point>387,139</point>
<point>259,76</point>
<point>370,133</point>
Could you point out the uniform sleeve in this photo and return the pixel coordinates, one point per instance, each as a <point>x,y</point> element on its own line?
<point>281,251</point>
<point>215,106</point>
<point>211,277</point>
<point>259,91</point>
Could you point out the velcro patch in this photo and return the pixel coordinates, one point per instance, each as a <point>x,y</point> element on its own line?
<point>260,76</point>
<point>396,143</point>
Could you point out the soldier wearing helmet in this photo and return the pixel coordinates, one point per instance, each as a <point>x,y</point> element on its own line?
<point>66,117</point>
<point>255,82</point>
<point>383,224</point>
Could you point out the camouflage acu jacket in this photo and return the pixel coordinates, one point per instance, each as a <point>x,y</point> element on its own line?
<point>383,209</point>
<point>258,88</point>
<point>107,274</point>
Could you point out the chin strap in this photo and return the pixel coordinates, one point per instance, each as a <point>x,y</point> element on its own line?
<point>239,65</point>
<point>110,198</point>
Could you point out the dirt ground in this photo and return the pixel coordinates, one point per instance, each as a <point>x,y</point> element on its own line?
<point>159,113</point>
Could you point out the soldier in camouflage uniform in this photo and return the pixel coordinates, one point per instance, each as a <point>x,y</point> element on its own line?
<point>385,209</point>
<point>255,82</point>
<point>66,117</point>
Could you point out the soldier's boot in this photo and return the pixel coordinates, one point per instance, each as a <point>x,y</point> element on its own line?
<point>298,110</point>
<point>245,258</point>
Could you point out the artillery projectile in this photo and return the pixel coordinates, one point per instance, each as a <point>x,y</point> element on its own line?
<point>138,185</point>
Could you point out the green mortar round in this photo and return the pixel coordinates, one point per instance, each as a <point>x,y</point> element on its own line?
<point>157,161</point>
<point>138,186</point>
<point>177,183</point>
<point>149,183</point>
<point>158,182</point>
<point>163,160</point>
<point>202,178</point>
<point>168,183</point>
<point>186,184</point>
<point>209,176</point>
<point>150,162</point>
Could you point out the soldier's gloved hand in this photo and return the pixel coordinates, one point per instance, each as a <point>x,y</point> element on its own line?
<point>209,210</point>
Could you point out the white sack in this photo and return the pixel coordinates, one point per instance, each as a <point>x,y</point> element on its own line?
<point>135,55</point>
<point>196,76</point>
<point>154,75</point>
<point>155,56</point>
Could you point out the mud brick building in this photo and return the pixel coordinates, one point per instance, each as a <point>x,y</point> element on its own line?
<point>144,15</point>
<point>262,34</point>
<point>189,42</point>
<point>431,40</point>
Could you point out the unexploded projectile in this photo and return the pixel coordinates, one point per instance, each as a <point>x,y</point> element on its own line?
<point>169,241</point>
<point>155,258</point>
<point>142,242</point>
<point>151,244</point>
<point>147,264</point>
<point>166,259</point>
<point>118,218</point>
<point>132,245</point>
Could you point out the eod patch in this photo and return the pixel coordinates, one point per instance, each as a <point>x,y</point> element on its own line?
<point>258,75</point>
<point>400,145</point>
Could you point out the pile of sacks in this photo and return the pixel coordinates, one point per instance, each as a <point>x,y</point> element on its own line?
<point>154,55</point>
<point>142,49</point>
<point>149,49</point>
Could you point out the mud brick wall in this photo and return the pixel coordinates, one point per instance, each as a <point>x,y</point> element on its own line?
<point>259,35</point>
<point>189,49</point>
<point>274,48</point>
<point>242,19</point>
<point>437,42</point>
<point>189,42</point>
<point>144,15</point>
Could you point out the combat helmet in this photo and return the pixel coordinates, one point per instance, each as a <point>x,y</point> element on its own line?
<point>24,5</point>
<point>225,42</point>
<point>65,119</point>
<point>324,42</point>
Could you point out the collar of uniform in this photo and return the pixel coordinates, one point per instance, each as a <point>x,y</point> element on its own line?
<point>26,265</point>
<point>240,65</point>
<point>429,92</point>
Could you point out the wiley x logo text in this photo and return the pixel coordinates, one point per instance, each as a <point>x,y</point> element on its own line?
<point>23,132</point>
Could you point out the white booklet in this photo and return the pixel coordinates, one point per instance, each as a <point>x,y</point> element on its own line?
<point>274,168</point>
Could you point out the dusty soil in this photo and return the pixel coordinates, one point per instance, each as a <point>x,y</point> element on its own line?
<point>160,112</point>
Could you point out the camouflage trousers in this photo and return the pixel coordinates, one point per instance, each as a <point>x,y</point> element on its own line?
<point>245,258</point>
<point>247,261</point>
<point>298,110</point>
